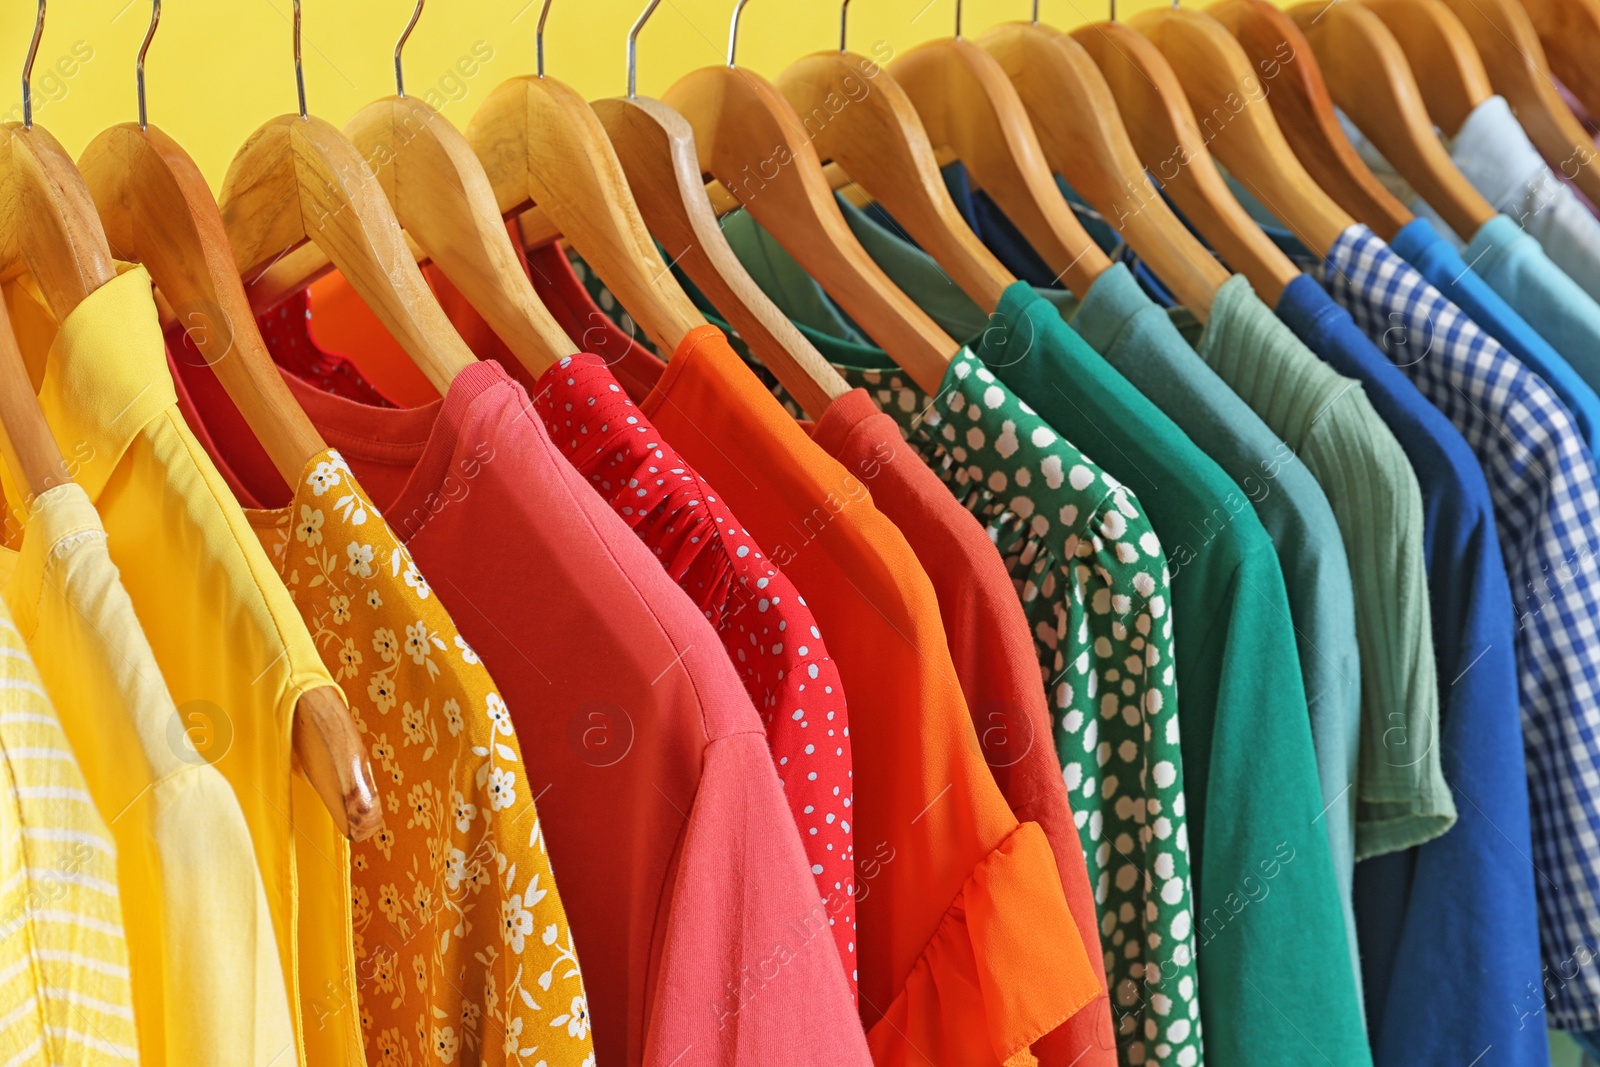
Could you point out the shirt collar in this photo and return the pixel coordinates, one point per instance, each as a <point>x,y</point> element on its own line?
<point>105,373</point>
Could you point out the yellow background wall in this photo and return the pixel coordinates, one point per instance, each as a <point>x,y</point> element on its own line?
<point>219,68</point>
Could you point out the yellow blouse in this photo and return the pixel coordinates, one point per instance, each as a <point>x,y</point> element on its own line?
<point>463,949</point>
<point>207,983</point>
<point>233,650</point>
<point>64,996</point>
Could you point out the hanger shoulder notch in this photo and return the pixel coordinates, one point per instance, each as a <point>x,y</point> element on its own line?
<point>1303,107</point>
<point>444,200</point>
<point>861,119</point>
<point>750,139</point>
<point>656,148</point>
<point>1372,82</point>
<point>540,142</point>
<point>968,105</point>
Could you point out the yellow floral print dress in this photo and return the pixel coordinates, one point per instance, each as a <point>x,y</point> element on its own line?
<point>463,951</point>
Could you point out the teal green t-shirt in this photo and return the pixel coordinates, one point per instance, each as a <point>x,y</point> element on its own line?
<point>1275,981</point>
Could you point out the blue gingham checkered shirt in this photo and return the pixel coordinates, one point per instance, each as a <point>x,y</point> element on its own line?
<point>1547,509</point>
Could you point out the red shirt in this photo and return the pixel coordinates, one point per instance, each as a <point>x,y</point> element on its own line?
<point>994,657</point>
<point>764,623</point>
<point>657,797</point>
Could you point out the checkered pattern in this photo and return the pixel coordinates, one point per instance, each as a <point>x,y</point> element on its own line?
<point>1547,509</point>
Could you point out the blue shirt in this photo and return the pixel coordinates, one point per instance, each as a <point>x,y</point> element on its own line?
<point>1560,314</point>
<point>1449,932</point>
<point>1543,482</point>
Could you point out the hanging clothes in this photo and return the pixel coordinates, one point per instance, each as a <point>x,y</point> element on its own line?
<point>456,911</point>
<point>224,631</point>
<point>65,995</point>
<point>1547,506</point>
<point>660,806</point>
<point>1211,532</point>
<point>207,981</point>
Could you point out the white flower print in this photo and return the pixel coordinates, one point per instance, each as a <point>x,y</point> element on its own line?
<point>466,650</point>
<point>323,478</point>
<point>576,1020</point>
<point>445,1044</point>
<point>374,600</point>
<point>502,790</point>
<point>340,606</point>
<point>381,690</point>
<point>452,716</point>
<point>360,559</point>
<point>455,869</point>
<point>309,528</point>
<point>415,580</point>
<point>417,638</point>
<point>465,811</point>
<point>500,715</point>
<point>385,644</point>
<point>516,922</point>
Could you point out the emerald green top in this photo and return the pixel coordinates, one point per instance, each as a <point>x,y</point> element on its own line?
<point>1269,919</point>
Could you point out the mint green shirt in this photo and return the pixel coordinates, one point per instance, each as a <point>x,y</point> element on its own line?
<point>1268,915</point>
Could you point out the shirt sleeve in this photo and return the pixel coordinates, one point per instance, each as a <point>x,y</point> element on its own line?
<point>748,971</point>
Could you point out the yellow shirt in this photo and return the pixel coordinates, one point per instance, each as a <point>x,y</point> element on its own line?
<point>464,951</point>
<point>208,986</point>
<point>64,996</point>
<point>235,655</point>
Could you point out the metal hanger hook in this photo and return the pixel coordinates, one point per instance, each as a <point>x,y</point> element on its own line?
<point>958,20</point>
<point>633,48</point>
<point>299,71</point>
<point>733,33</point>
<point>538,40</point>
<point>1036,11</point>
<point>27,69</point>
<point>405,35</point>
<point>138,66</point>
<point>844,25</point>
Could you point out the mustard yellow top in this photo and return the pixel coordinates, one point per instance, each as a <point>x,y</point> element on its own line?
<point>225,633</point>
<point>463,948</point>
<point>207,983</point>
<point>64,996</point>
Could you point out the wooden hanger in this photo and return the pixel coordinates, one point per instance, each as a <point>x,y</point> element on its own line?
<point>444,200</point>
<point>1157,118</point>
<point>1511,52</point>
<point>159,212</point>
<point>1081,132</point>
<point>31,453</point>
<point>1217,77</point>
<point>1372,83</point>
<point>873,133</point>
<point>969,107</point>
<point>1442,56</point>
<point>752,141</point>
<point>1570,33</point>
<point>657,151</point>
<point>298,178</point>
<point>540,142</point>
<point>1303,109</point>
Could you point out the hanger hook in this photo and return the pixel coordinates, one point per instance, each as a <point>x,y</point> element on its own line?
<point>633,48</point>
<point>1036,11</point>
<point>299,71</point>
<point>405,35</point>
<point>538,40</point>
<point>844,25</point>
<point>27,69</point>
<point>958,20</point>
<point>733,33</point>
<point>138,66</point>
